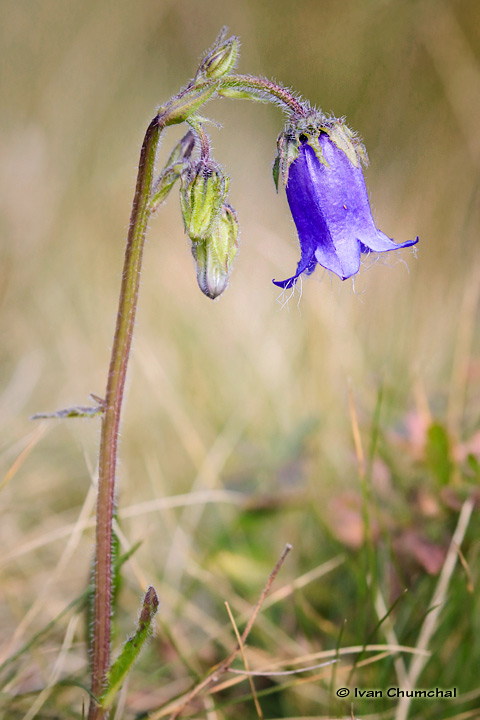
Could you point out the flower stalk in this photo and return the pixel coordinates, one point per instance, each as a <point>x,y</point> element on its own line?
<point>112,411</point>
<point>256,88</point>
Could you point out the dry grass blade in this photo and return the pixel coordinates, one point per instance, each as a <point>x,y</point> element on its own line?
<point>245,662</point>
<point>43,595</point>
<point>225,665</point>
<point>391,637</point>
<point>35,437</point>
<point>382,651</point>
<point>430,623</point>
<point>57,669</point>
<point>304,580</point>
<point>280,673</point>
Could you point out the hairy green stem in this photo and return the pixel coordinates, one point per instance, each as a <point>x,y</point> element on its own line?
<point>267,87</point>
<point>256,85</point>
<point>113,404</point>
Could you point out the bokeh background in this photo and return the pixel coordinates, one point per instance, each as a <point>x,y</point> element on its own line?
<point>241,409</point>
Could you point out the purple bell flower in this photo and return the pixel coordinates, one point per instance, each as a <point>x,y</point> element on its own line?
<point>330,207</point>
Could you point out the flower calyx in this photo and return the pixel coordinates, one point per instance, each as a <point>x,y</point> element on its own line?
<point>308,130</point>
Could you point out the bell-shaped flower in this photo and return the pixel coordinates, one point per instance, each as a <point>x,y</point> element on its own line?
<point>329,203</point>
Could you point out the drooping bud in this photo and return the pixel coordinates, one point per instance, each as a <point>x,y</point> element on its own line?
<point>214,256</point>
<point>222,58</point>
<point>204,188</point>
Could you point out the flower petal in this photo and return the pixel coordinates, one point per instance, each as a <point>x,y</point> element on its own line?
<point>381,243</point>
<point>306,265</point>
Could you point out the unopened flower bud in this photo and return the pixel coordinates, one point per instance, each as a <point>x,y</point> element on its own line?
<point>222,58</point>
<point>214,256</point>
<point>204,188</point>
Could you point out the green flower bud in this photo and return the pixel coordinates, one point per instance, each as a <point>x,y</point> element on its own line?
<point>214,256</point>
<point>204,188</point>
<point>222,58</point>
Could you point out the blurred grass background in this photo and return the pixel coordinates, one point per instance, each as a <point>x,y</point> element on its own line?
<point>242,405</point>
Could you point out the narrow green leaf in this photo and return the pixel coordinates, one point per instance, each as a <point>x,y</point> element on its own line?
<point>182,150</point>
<point>473,464</point>
<point>240,93</point>
<point>171,172</point>
<point>122,665</point>
<point>118,562</point>
<point>438,453</point>
<point>165,183</point>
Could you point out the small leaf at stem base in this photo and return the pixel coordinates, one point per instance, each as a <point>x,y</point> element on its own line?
<point>131,650</point>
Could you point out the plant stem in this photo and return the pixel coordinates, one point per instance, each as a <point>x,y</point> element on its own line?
<point>113,405</point>
<point>267,87</point>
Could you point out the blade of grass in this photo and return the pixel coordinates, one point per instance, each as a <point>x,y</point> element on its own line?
<point>245,662</point>
<point>386,624</point>
<point>431,621</point>
<point>57,669</point>
<point>224,666</point>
